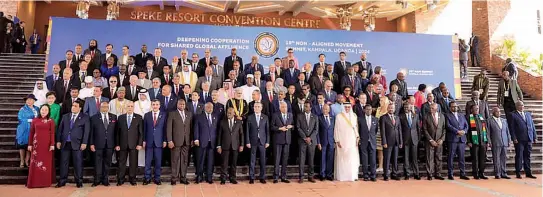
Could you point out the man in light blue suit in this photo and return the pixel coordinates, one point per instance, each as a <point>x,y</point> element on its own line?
<point>154,128</point>
<point>92,104</point>
<point>500,140</point>
<point>457,126</point>
<point>523,135</point>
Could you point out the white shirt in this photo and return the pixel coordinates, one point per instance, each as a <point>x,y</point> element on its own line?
<point>499,121</point>
<point>368,121</point>
<point>186,77</point>
<point>247,92</point>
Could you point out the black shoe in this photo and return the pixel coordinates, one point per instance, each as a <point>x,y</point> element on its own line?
<point>373,179</point>
<point>483,177</point>
<point>133,183</point>
<point>233,181</point>
<point>439,177</point>
<point>505,177</point>
<point>464,178</point>
<point>197,181</point>
<point>158,182</point>
<point>406,178</point>
<point>184,182</point>
<point>173,182</point>
<point>518,176</point>
<point>417,177</point>
<point>429,178</point>
<point>301,181</point>
<point>59,185</point>
<point>476,177</point>
<point>79,185</point>
<point>105,184</point>
<point>145,182</point>
<point>262,181</point>
<point>386,178</point>
<point>497,177</point>
<point>321,178</point>
<point>285,181</point>
<point>210,182</point>
<point>312,180</point>
<point>366,179</point>
<point>450,177</point>
<point>95,184</point>
<point>395,178</point>
<point>330,178</point>
<point>252,181</point>
<point>223,182</point>
<point>275,181</point>
<point>531,176</point>
<point>120,183</point>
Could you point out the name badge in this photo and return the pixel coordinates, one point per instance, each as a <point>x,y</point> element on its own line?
<point>481,91</point>
<point>506,93</point>
<point>481,118</point>
<point>473,132</point>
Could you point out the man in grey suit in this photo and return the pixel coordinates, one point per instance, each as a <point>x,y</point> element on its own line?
<point>92,104</point>
<point>500,139</point>
<point>218,70</point>
<point>282,125</point>
<point>257,138</point>
<point>179,137</point>
<point>411,135</point>
<point>509,93</point>
<point>483,105</point>
<point>143,81</point>
<point>308,130</point>
<point>433,125</point>
<point>391,139</point>
<point>214,82</point>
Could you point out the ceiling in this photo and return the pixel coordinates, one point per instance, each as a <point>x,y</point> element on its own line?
<point>327,9</point>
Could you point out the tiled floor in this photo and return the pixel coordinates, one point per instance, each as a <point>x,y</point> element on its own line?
<point>480,188</point>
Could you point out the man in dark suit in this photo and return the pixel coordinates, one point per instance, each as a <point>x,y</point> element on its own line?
<point>333,77</point>
<point>290,75</point>
<point>107,54</point>
<point>229,61</point>
<point>481,84</point>
<point>352,79</point>
<point>316,82</point>
<point>268,93</point>
<point>509,93</point>
<point>141,58</point>
<point>102,141</point>
<point>326,136</point>
<point>72,138</point>
<point>329,93</point>
<point>254,66</point>
<point>194,106</point>
<point>411,134</point>
<point>205,93</point>
<point>52,79</point>
<point>478,139</point>
<point>195,66</point>
<point>358,107</point>
<point>132,89</point>
<point>95,55</point>
<point>64,85</point>
<point>444,101</point>
<point>205,136</point>
<point>166,77</point>
<point>340,67</point>
<point>179,136</point>
<point>500,140</point>
<point>69,62</point>
<point>186,94</point>
<point>158,60</point>
<point>206,60</point>
<point>19,39</point>
<point>426,107</point>
<point>321,63</point>
<point>257,139</point>
<point>483,105</point>
<point>391,139</point>
<point>434,127</point>
<point>218,108</point>
<point>308,130</point>
<point>373,98</point>
<point>123,76</point>
<point>457,127</point>
<point>319,105</point>
<point>367,128</point>
<point>282,125</point>
<point>154,128</point>
<point>274,106</point>
<point>365,65</point>
<point>523,134</point>
<point>230,142</point>
<point>129,142</point>
<point>474,50</point>
<point>402,85</point>
<point>168,102</point>
<point>66,106</point>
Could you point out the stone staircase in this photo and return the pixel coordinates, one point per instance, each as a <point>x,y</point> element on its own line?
<point>19,73</point>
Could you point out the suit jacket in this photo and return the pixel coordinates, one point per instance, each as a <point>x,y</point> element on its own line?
<point>79,132</point>
<point>73,65</point>
<point>521,130</point>
<point>61,92</point>
<point>154,95</point>
<point>514,91</point>
<point>124,81</point>
<point>100,136</point>
<point>95,61</point>
<point>326,130</point>
<point>257,133</point>
<point>163,80</point>
<point>356,89</point>
<point>402,90</point>
<point>340,70</point>
<point>215,83</point>
<point>103,59</point>
<point>141,60</point>
<point>316,84</point>
<point>205,63</point>
<point>265,108</point>
<point>374,100</point>
<point>410,134</point>
<point>290,78</point>
<point>207,99</point>
<point>474,43</point>
<point>129,137</point>
<point>90,105</point>
<point>218,110</point>
<point>146,83</point>
<point>483,109</point>
<point>179,131</point>
<point>367,135</point>
<point>444,104</point>
<point>155,134</point>
<point>367,67</point>
<point>250,70</point>
<point>306,130</point>
<point>50,81</point>
<point>499,137</point>
<point>160,64</point>
<point>358,109</point>
<point>331,98</point>
<point>274,107</point>
<point>479,128</point>
<point>481,83</point>
<point>205,132</point>
<point>391,133</point>
<point>219,73</point>
<point>129,95</point>
<point>66,106</point>
<point>426,109</point>
<point>230,139</point>
<point>229,64</point>
<point>453,126</point>
<point>172,103</point>
<point>317,109</point>
<point>431,131</point>
<point>266,96</point>
<point>199,107</point>
<point>179,92</point>
<point>154,74</point>
<point>282,137</point>
<point>335,80</point>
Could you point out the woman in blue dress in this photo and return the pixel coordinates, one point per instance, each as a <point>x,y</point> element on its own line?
<point>25,116</point>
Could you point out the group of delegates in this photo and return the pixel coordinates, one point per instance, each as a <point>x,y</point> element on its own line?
<point>143,111</point>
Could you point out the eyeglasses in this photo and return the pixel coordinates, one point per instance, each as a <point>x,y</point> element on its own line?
<point>112,81</point>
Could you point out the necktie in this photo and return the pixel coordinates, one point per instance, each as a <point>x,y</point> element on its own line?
<point>343,64</point>
<point>183,116</point>
<point>92,53</point>
<point>97,103</point>
<point>205,96</point>
<point>435,119</point>
<point>284,118</point>
<point>66,85</point>
<point>307,116</point>
<point>393,121</point>
<point>104,118</point>
<point>129,120</point>
<point>133,93</point>
<point>270,95</point>
<point>157,60</point>
<point>167,79</point>
<point>166,102</point>
<point>320,107</point>
<point>209,79</point>
<point>72,121</point>
<point>154,118</point>
<point>272,77</point>
<point>195,107</point>
<point>328,119</point>
<point>209,119</point>
<point>302,107</point>
<point>523,115</point>
<point>409,121</point>
<point>68,62</point>
<point>230,124</point>
<point>258,121</point>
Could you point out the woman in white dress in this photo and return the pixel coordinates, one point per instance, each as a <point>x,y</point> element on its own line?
<point>347,160</point>
<point>142,106</point>
<point>40,90</point>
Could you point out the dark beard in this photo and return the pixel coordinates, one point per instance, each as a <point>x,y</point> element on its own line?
<point>92,48</point>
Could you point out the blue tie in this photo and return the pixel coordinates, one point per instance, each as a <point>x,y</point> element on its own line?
<point>409,120</point>
<point>128,120</point>
<point>166,102</point>
<point>72,121</point>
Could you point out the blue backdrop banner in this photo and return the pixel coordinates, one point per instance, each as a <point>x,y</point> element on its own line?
<point>424,58</point>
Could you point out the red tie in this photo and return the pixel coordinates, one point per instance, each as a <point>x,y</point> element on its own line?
<point>97,103</point>
<point>112,93</point>
<point>176,89</point>
<point>68,64</point>
<point>154,119</point>
<point>92,54</point>
<point>167,81</point>
<point>393,121</point>
<point>271,96</point>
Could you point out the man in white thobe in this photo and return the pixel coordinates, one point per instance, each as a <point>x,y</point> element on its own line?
<point>346,137</point>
